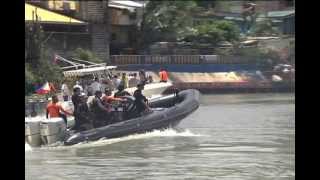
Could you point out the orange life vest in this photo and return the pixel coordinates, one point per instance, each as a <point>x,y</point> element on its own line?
<point>54,109</point>
<point>163,76</point>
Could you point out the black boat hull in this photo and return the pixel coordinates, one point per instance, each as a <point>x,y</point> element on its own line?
<point>160,118</point>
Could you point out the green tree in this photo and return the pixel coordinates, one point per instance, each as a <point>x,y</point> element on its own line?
<point>173,21</point>
<point>33,45</point>
<point>167,20</point>
<point>39,66</point>
<point>29,79</point>
<point>214,32</point>
<point>86,55</point>
<point>264,28</point>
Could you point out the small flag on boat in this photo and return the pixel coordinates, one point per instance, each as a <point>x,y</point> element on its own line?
<point>45,89</point>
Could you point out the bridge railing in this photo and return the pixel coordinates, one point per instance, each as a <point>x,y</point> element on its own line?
<point>179,59</point>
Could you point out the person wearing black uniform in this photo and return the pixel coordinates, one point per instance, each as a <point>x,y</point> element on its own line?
<point>84,115</point>
<point>76,100</point>
<point>121,92</point>
<point>99,111</point>
<point>140,101</point>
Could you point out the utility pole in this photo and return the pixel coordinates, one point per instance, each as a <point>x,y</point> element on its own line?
<point>108,29</point>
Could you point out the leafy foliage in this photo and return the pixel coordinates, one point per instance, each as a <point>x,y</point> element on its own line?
<point>167,20</point>
<point>86,55</point>
<point>264,28</point>
<point>39,66</point>
<point>173,21</point>
<point>214,32</point>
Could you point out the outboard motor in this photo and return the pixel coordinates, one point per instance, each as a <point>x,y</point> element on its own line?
<point>52,130</point>
<point>32,131</point>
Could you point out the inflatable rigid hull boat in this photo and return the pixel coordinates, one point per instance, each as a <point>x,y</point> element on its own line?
<point>168,111</point>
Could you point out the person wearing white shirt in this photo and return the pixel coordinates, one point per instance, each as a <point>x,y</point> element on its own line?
<point>116,81</point>
<point>65,91</point>
<point>96,86</point>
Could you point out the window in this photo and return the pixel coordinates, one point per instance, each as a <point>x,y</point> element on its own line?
<point>113,36</point>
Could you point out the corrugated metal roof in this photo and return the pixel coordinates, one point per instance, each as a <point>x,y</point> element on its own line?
<point>280,13</point>
<point>82,72</point>
<point>48,16</point>
<point>121,7</point>
<point>127,3</point>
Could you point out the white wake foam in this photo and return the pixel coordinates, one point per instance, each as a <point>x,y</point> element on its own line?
<point>27,147</point>
<point>155,133</point>
<point>104,141</point>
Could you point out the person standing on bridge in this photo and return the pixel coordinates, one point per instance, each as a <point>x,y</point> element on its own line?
<point>163,75</point>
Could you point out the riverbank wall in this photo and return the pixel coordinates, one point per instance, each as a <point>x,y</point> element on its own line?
<point>217,78</point>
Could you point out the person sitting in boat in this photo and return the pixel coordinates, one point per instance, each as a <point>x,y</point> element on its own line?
<point>140,101</point>
<point>108,99</point>
<point>54,109</point>
<point>100,112</point>
<point>121,92</point>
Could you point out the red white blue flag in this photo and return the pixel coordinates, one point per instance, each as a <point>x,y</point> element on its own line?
<point>45,89</point>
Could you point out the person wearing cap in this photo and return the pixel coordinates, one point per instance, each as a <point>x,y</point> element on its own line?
<point>140,101</point>
<point>99,111</point>
<point>121,92</point>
